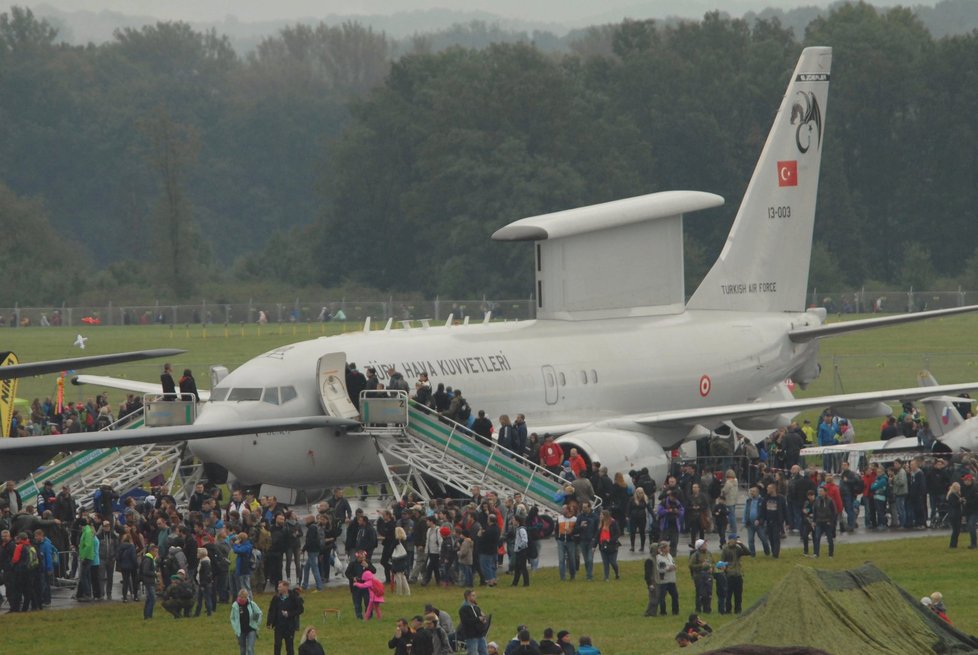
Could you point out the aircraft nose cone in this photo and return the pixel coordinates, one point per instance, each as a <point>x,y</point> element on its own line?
<point>218,415</point>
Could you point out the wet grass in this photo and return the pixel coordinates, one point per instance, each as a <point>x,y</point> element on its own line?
<point>611,612</point>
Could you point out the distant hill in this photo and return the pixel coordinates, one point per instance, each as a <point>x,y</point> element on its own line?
<point>84,26</point>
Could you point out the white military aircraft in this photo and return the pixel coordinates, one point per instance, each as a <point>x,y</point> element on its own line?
<point>949,418</point>
<point>617,363</point>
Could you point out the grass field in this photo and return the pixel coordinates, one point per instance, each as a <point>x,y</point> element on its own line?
<point>611,612</point>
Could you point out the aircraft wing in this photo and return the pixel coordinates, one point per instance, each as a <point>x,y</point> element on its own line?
<point>845,447</point>
<point>856,401</point>
<point>804,334</point>
<point>21,455</point>
<point>133,386</point>
<point>58,365</point>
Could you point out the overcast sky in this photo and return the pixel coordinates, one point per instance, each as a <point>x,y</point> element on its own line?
<point>545,11</point>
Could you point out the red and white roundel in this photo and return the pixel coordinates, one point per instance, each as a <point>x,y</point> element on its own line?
<point>705,386</point>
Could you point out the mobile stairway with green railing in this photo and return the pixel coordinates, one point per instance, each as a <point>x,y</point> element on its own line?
<point>123,468</point>
<point>419,441</point>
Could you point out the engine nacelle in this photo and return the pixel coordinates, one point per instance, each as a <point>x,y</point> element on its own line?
<point>619,450</point>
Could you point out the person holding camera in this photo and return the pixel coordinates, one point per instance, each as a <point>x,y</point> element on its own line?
<point>732,553</point>
<point>666,570</point>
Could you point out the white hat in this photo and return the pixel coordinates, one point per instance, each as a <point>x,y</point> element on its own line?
<point>106,482</point>
<point>700,543</point>
<point>926,601</point>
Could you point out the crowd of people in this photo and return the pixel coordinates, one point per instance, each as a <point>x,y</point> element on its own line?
<point>219,550</point>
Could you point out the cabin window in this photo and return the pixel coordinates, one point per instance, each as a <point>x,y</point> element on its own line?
<point>219,393</point>
<point>287,394</point>
<point>245,393</point>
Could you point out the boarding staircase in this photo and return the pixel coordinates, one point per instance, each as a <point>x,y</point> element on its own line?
<point>124,468</point>
<point>413,441</point>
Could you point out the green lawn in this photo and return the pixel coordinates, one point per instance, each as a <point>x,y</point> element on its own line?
<point>611,612</point>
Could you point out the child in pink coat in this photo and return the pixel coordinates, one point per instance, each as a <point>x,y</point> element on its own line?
<point>376,589</point>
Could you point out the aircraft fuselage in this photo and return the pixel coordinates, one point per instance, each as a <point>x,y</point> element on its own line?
<point>554,372</point>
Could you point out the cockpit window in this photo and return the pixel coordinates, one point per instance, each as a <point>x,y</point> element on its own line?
<point>245,393</point>
<point>288,393</point>
<point>219,394</point>
<point>270,396</point>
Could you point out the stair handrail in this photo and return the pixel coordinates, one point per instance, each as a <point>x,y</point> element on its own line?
<point>534,468</point>
<point>123,421</point>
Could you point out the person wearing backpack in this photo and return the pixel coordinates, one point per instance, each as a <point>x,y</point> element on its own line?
<point>455,408</point>
<point>244,566</point>
<point>25,563</point>
<point>218,553</point>
<point>205,583</point>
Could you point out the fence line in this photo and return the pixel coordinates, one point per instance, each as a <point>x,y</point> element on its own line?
<point>862,301</point>
<point>308,311</point>
<point>294,311</point>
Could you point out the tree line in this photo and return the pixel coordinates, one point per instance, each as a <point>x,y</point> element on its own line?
<point>163,162</point>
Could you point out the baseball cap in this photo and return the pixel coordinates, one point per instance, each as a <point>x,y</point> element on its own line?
<point>699,543</point>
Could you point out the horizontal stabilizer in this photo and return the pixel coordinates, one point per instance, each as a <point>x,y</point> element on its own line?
<point>801,335</point>
<point>131,386</point>
<point>58,365</point>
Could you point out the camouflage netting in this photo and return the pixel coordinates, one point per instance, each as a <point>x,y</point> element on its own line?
<point>860,611</point>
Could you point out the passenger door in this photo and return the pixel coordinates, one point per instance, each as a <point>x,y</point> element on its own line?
<point>331,378</point>
<point>550,384</point>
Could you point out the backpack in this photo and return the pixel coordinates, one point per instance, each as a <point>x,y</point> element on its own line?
<point>32,559</point>
<point>256,557</point>
<point>378,587</point>
<point>172,564</point>
<point>464,411</point>
<point>218,560</point>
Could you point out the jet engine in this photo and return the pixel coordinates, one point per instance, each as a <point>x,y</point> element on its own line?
<point>619,450</point>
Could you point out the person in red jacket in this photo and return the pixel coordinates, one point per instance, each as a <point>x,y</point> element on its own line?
<point>551,454</point>
<point>832,491</point>
<point>869,477</point>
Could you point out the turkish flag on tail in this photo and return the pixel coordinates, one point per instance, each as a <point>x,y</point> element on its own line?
<point>788,173</point>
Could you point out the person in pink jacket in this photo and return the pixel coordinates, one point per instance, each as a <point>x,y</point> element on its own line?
<point>376,588</point>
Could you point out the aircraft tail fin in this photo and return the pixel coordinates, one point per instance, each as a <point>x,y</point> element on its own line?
<point>941,411</point>
<point>8,393</point>
<point>764,264</point>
